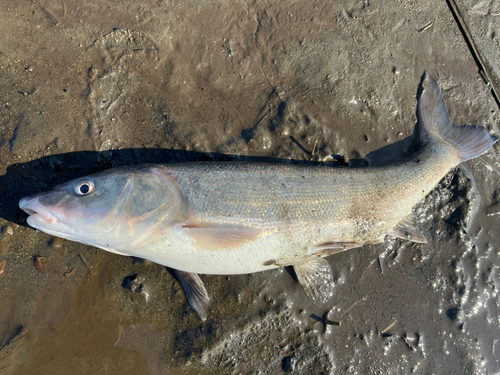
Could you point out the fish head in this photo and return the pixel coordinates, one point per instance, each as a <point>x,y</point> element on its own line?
<point>115,209</point>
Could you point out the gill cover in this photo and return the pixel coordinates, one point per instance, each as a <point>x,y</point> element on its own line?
<point>115,210</point>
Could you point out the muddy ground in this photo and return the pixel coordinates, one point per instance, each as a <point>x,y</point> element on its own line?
<point>88,85</point>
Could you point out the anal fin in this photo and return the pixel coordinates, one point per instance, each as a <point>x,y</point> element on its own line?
<point>196,293</point>
<point>407,230</point>
<point>330,248</point>
<point>316,278</point>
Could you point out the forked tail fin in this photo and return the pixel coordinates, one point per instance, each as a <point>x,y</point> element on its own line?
<point>468,141</point>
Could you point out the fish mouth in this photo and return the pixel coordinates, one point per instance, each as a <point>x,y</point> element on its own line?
<point>36,211</point>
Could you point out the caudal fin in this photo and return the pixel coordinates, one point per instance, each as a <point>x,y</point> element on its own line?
<point>468,141</point>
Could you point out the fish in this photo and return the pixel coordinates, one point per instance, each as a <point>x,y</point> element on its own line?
<point>226,218</point>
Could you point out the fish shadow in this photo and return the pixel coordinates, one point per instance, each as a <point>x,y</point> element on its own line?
<point>41,174</point>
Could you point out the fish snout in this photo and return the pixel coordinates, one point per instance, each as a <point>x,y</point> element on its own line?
<point>32,206</point>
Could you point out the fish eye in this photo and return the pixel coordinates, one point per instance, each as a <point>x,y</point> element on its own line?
<point>84,187</point>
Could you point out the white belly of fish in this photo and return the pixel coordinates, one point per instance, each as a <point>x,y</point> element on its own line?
<point>271,249</point>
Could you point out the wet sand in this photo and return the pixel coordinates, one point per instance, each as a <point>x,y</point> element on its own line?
<point>92,85</point>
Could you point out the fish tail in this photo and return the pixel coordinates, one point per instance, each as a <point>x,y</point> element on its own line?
<point>466,141</point>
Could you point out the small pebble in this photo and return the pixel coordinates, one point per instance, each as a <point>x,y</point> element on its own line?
<point>411,340</point>
<point>56,243</point>
<point>411,337</point>
<point>7,229</point>
<point>132,284</point>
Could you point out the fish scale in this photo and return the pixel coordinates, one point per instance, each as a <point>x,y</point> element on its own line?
<point>282,193</point>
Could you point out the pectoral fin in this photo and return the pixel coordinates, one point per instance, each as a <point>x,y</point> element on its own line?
<point>316,278</point>
<point>407,230</point>
<point>196,293</point>
<point>220,237</point>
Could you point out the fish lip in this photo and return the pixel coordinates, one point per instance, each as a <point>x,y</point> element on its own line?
<point>34,208</point>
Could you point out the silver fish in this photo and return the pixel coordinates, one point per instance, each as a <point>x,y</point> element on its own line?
<point>235,218</point>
